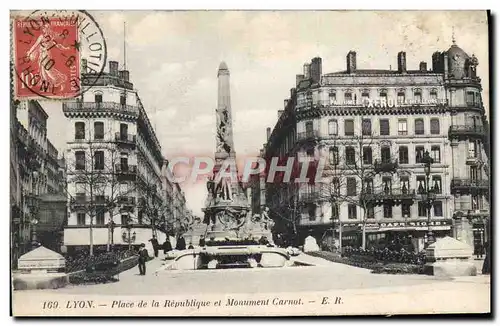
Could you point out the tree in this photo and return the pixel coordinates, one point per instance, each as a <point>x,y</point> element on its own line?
<point>103,179</point>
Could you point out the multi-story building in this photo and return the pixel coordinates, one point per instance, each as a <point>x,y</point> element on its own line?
<point>15,189</point>
<point>114,165</point>
<point>38,169</point>
<point>373,128</point>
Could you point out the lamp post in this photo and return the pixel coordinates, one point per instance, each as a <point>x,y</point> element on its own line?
<point>127,237</point>
<point>34,210</point>
<point>111,229</point>
<point>430,195</point>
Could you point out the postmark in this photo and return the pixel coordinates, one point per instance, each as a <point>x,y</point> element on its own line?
<point>58,54</point>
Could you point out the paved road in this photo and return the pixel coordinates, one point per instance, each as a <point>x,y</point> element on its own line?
<point>323,277</point>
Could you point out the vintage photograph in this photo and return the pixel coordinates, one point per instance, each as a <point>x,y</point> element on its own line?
<point>249,163</point>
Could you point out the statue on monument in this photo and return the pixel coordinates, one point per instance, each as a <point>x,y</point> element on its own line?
<point>223,132</point>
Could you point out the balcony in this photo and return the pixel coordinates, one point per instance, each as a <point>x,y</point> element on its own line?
<point>310,135</point>
<point>126,200</point>
<point>469,186</point>
<point>473,159</point>
<point>75,107</point>
<point>310,197</point>
<point>386,166</point>
<point>125,139</point>
<point>126,172</point>
<point>82,201</point>
<point>465,132</point>
<point>394,196</point>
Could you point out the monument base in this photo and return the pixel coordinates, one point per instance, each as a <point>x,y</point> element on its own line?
<point>38,281</point>
<point>450,268</point>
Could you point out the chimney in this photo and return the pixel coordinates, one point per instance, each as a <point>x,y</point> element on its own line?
<point>292,91</point>
<point>268,131</point>
<point>280,112</point>
<point>113,68</point>
<point>351,62</point>
<point>402,62</point>
<point>436,62</point>
<point>316,69</point>
<point>124,74</point>
<point>286,103</point>
<point>423,66</point>
<point>298,79</point>
<point>307,71</point>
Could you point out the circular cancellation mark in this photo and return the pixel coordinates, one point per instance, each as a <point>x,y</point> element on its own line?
<point>57,53</point>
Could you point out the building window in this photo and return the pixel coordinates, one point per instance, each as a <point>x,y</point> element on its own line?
<point>470,98</point>
<point>438,208</point>
<point>80,218</point>
<point>434,96</point>
<point>401,98</point>
<point>365,97</point>
<point>123,99</point>
<point>383,96</point>
<point>335,211</point>
<point>368,186</point>
<point>98,130</point>
<point>436,184</point>
<point>436,154</point>
<point>403,155</point>
<point>351,187</point>
<point>387,185</point>
<point>123,131</point>
<point>421,188</point>
<point>370,212</point>
<point>366,127</point>
<point>79,189</point>
<point>475,202</point>
<point>384,127</point>
<point>79,130</point>
<point>402,127</point>
<point>367,155</point>
<point>351,211</point>
<point>124,219</point>
<point>80,160</point>
<point>418,96</point>
<point>99,160</point>
<point>387,210</point>
<point>124,161</point>
<point>333,128</point>
<point>310,151</point>
<point>422,210</point>
<point>98,98</point>
<point>140,216</point>
<point>435,126</point>
<point>406,210</point>
<point>333,98</point>
<point>419,127</point>
<point>349,127</point>
<point>312,212</point>
<point>385,154</point>
<point>472,149</point>
<point>348,98</point>
<point>334,155</point>
<point>99,217</point>
<point>405,185</point>
<point>336,186</point>
<point>350,156</point>
<point>419,154</point>
<point>473,174</point>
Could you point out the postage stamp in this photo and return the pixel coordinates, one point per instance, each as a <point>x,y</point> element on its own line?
<point>250,163</point>
<point>49,48</point>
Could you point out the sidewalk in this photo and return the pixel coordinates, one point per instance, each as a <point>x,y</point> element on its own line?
<point>151,267</point>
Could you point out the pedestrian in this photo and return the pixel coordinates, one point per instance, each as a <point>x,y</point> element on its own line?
<point>486,263</point>
<point>181,243</point>
<point>143,257</point>
<point>479,251</point>
<point>154,242</point>
<point>167,246</point>
<point>202,241</point>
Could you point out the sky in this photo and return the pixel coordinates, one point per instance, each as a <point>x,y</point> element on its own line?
<point>173,58</point>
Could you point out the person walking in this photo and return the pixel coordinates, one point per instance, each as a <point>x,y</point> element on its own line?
<point>154,243</point>
<point>143,257</point>
<point>486,264</point>
<point>181,243</point>
<point>167,246</point>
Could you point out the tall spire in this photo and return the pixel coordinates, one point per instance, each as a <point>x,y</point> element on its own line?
<point>453,40</point>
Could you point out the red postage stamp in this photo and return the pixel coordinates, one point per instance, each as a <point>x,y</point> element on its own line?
<point>47,60</point>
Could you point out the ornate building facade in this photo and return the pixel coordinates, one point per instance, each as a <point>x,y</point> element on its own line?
<point>114,159</point>
<point>373,129</point>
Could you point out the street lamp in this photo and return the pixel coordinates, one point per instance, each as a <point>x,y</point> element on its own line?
<point>111,228</point>
<point>34,210</point>
<point>127,237</point>
<point>430,195</point>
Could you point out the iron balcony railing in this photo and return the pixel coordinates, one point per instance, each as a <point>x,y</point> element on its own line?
<point>464,184</point>
<point>99,107</point>
<point>397,194</point>
<point>308,135</point>
<point>126,200</point>
<point>466,131</point>
<point>125,169</point>
<point>385,166</point>
<point>125,138</point>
